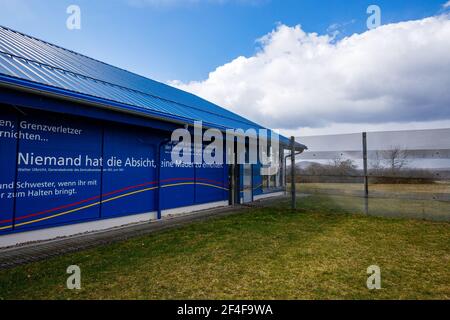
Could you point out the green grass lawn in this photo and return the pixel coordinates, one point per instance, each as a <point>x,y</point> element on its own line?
<point>441,187</point>
<point>318,252</point>
<point>388,200</point>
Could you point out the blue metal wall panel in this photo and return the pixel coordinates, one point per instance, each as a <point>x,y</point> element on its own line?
<point>177,182</point>
<point>130,171</point>
<point>212,182</point>
<point>59,165</point>
<point>211,185</point>
<point>8,152</point>
<point>257,180</point>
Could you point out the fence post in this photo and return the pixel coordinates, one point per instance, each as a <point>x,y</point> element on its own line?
<point>293,195</point>
<point>366,178</point>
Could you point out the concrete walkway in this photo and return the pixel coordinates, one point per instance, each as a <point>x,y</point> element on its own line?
<point>22,254</point>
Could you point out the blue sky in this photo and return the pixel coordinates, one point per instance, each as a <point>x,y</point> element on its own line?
<point>185,40</point>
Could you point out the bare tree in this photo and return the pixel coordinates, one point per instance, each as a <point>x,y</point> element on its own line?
<point>391,166</point>
<point>395,158</point>
<point>376,163</point>
<point>343,167</point>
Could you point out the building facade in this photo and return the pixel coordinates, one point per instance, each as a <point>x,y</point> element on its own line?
<point>86,146</point>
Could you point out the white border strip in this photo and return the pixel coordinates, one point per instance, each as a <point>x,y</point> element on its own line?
<point>73,229</point>
<point>189,209</point>
<point>268,195</point>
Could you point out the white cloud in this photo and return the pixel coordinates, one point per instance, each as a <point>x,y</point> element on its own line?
<point>397,73</point>
<point>447,4</point>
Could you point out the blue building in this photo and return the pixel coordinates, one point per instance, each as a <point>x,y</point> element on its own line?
<point>85,146</point>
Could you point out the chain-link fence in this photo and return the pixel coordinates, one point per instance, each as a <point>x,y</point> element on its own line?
<point>397,173</point>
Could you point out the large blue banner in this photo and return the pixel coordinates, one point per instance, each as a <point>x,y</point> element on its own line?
<point>59,171</point>
<point>186,184</point>
<point>129,179</point>
<point>212,182</point>
<point>177,181</point>
<point>8,144</point>
<point>257,180</point>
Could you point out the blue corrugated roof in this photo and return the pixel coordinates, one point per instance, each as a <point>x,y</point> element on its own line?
<point>28,61</point>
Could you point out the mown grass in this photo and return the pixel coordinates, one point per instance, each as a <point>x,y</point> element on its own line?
<point>440,187</point>
<point>387,200</point>
<point>317,252</point>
